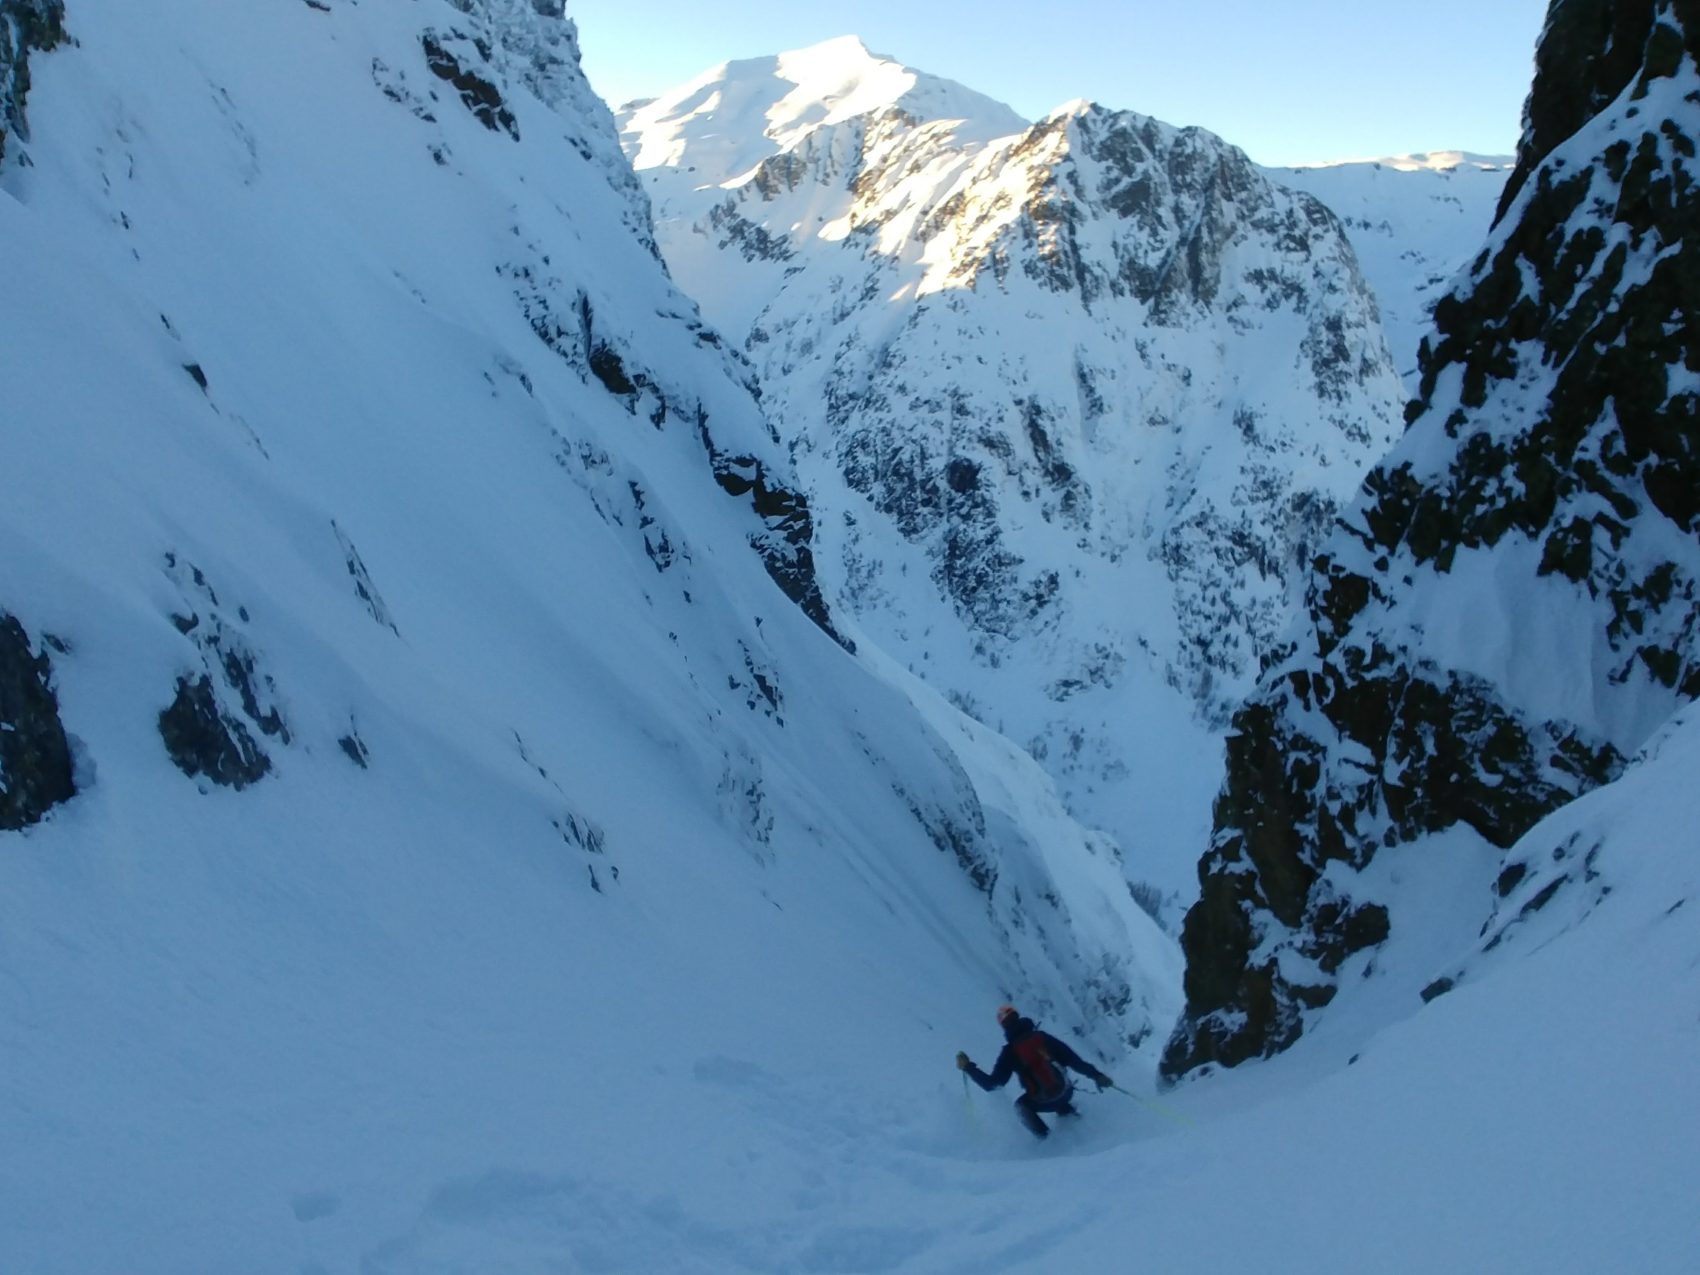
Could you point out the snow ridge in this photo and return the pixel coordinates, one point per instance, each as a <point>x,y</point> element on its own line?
<point>732,116</point>
<point>1415,222</point>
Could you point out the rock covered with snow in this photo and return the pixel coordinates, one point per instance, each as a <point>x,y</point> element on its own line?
<point>1511,607</point>
<point>26,26</point>
<point>1416,222</point>
<point>35,753</point>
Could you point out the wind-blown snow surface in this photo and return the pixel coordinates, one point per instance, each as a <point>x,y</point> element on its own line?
<point>340,382</point>
<point>1072,401</point>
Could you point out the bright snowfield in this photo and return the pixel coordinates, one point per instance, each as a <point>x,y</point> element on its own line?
<point>1072,401</point>
<point>540,987</point>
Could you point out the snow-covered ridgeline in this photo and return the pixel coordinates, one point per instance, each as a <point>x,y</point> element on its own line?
<point>1415,222</point>
<point>1511,607</point>
<point>398,564</point>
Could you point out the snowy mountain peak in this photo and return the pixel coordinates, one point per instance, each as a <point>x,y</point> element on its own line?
<point>1072,406</point>
<point>734,115</point>
<point>844,59</point>
<point>1074,107</point>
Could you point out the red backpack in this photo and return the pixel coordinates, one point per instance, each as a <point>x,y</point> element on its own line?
<point>1041,1077</point>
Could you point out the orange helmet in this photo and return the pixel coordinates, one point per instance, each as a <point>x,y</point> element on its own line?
<point>1005,1013</point>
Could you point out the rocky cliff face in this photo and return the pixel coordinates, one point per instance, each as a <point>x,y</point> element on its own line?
<point>968,339</point>
<point>1512,606</point>
<point>25,26</point>
<point>35,753</point>
<point>1073,402</point>
<point>1124,242</point>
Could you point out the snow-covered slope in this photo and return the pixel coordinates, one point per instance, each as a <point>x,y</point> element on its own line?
<point>1415,222</point>
<point>1512,606</point>
<point>1543,1116</point>
<point>1072,402</point>
<point>410,758</point>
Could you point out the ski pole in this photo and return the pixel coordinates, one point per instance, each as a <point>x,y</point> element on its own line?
<point>1158,1107</point>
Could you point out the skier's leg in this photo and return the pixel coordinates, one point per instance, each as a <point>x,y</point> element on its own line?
<point>1030,1117</point>
<point>1062,1104</point>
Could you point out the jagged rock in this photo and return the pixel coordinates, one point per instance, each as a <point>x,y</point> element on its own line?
<point>477,93</point>
<point>1589,52</point>
<point>363,584</point>
<point>354,748</point>
<point>35,753</point>
<point>786,545</point>
<point>1546,491</point>
<point>607,366</point>
<point>206,741</point>
<point>25,26</point>
<point>203,729</point>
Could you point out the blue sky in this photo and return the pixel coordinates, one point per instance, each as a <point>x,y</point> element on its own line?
<point>1290,81</point>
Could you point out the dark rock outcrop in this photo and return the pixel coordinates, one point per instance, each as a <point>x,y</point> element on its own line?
<point>204,740</point>
<point>206,727</point>
<point>1589,52</point>
<point>25,26</point>
<point>35,754</point>
<point>786,542</point>
<point>1557,436</point>
<point>450,57</point>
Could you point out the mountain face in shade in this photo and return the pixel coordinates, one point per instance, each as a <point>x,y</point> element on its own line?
<point>1511,608</point>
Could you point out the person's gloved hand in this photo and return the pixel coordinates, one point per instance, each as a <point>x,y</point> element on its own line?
<point>1104,1082</point>
<point>962,1063</point>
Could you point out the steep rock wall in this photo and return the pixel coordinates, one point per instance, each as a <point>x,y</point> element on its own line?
<point>1512,606</point>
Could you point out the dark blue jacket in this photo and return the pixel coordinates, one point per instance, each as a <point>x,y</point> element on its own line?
<point>1009,1061</point>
